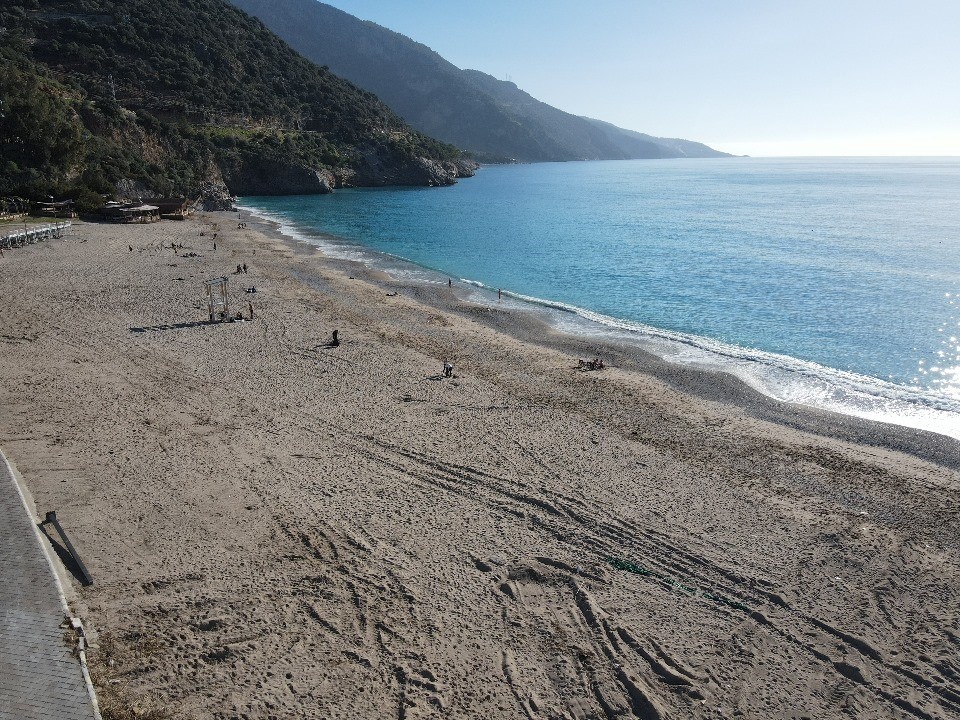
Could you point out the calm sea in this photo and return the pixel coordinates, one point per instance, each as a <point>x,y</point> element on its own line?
<point>828,282</point>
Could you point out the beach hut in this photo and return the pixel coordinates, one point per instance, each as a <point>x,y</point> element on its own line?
<point>171,208</point>
<point>59,209</point>
<point>130,212</point>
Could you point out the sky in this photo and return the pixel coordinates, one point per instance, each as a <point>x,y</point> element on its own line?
<point>772,78</point>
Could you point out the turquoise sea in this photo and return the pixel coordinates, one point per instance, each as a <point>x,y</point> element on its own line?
<point>829,282</point>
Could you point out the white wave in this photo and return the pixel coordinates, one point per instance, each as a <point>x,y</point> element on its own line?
<point>399,267</point>
<point>786,378</point>
<point>329,247</point>
<point>781,377</point>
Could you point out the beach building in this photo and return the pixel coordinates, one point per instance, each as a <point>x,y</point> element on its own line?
<point>60,209</point>
<point>177,208</point>
<point>137,212</point>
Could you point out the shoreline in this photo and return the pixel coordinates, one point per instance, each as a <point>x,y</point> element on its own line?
<point>904,359</point>
<point>278,527</point>
<point>717,385</point>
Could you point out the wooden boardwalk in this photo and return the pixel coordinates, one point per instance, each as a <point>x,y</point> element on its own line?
<point>39,675</point>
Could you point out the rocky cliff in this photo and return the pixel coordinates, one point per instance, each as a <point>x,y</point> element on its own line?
<point>258,175</point>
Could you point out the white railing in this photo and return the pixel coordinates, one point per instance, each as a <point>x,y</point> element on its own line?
<point>29,235</point>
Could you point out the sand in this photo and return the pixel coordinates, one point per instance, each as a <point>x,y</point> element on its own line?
<point>281,529</point>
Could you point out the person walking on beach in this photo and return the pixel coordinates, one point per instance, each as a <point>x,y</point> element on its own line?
<point>499,294</point>
<point>244,268</point>
<point>447,368</point>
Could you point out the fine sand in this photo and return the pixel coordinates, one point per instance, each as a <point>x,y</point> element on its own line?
<point>282,529</point>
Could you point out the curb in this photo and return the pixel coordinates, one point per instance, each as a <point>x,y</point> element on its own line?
<point>74,621</point>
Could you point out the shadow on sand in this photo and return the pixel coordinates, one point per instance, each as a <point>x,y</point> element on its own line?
<point>175,326</point>
<point>69,562</point>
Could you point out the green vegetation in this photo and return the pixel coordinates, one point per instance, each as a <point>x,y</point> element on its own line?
<point>160,95</point>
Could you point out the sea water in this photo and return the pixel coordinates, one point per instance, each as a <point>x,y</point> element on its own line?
<point>827,282</point>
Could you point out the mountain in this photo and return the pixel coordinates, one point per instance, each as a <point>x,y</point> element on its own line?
<point>412,79</point>
<point>631,142</point>
<point>576,137</point>
<point>491,118</point>
<point>157,98</point>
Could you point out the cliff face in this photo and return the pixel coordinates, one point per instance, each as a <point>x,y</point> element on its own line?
<point>496,120</point>
<point>416,171</point>
<point>102,95</point>
<point>256,175</point>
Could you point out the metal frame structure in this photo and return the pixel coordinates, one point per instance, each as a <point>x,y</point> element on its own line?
<point>217,301</point>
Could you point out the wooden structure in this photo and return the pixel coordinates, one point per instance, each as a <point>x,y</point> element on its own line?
<point>217,304</point>
<point>61,209</point>
<point>130,212</point>
<point>27,235</point>
<point>171,208</point>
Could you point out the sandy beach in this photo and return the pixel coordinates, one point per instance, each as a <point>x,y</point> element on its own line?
<point>278,528</point>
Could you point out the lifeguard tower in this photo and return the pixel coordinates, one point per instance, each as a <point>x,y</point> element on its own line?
<point>216,290</point>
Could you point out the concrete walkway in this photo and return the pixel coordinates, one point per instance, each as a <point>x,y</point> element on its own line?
<point>39,675</point>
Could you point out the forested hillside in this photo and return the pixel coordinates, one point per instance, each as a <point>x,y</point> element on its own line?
<point>491,118</point>
<point>161,97</point>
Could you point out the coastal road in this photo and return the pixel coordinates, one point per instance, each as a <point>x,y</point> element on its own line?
<point>39,675</point>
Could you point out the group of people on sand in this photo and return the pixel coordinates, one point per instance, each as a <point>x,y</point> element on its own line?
<point>241,269</point>
<point>595,364</point>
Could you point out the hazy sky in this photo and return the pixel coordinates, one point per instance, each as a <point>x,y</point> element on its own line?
<point>803,77</point>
